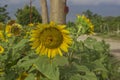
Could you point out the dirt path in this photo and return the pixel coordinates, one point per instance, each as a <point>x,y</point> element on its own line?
<point>114,45</point>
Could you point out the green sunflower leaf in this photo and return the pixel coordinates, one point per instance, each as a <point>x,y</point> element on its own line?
<point>30,77</point>
<point>60,60</point>
<point>26,62</point>
<point>21,44</point>
<point>47,68</point>
<point>76,77</point>
<point>85,73</point>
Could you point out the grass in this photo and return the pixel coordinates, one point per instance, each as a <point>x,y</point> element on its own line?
<point>115,71</point>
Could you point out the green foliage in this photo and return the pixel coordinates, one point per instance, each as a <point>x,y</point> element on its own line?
<point>18,58</point>
<point>72,27</point>
<point>96,19</point>
<point>23,15</point>
<point>115,71</point>
<point>110,35</point>
<point>89,59</point>
<point>86,60</point>
<point>103,24</point>
<point>47,68</point>
<point>112,22</point>
<point>4,14</point>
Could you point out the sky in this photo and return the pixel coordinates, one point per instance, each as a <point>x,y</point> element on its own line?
<point>101,7</point>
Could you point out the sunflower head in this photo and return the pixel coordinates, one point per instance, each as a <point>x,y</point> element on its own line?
<point>86,25</point>
<point>8,29</point>
<point>1,49</point>
<point>50,39</point>
<point>14,29</point>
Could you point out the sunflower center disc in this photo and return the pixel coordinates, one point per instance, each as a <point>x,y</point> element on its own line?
<point>15,30</point>
<point>51,38</point>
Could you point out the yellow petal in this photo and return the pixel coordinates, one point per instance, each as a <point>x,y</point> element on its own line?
<point>43,50</point>
<point>61,27</point>
<point>65,31</point>
<point>38,49</point>
<point>64,47</point>
<point>35,44</point>
<point>54,52</point>
<point>67,39</point>
<point>60,52</point>
<point>49,53</point>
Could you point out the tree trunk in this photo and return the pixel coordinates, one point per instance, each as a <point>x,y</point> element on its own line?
<point>57,13</point>
<point>44,11</point>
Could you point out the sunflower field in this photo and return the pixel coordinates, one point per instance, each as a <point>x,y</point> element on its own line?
<point>53,52</point>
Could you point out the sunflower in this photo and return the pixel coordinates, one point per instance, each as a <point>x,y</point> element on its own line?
<point>87,26</point>
<point>50,39</point>
<point>14,29</point>
<point>8,30</point>
<point>1,49</point>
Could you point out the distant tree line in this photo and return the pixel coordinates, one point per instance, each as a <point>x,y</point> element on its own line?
<point>4,15</point>
<point>22,15</point>
<point>28,15</point>
<point>103,24</point>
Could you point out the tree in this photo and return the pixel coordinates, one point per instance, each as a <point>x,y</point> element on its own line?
<point>113,22</point>
<point>88,14</point>
<point>44,11</point>
<point>58,10</point>
<point>4,14</point>
<point>23,15</point>
<point>57,13</point>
